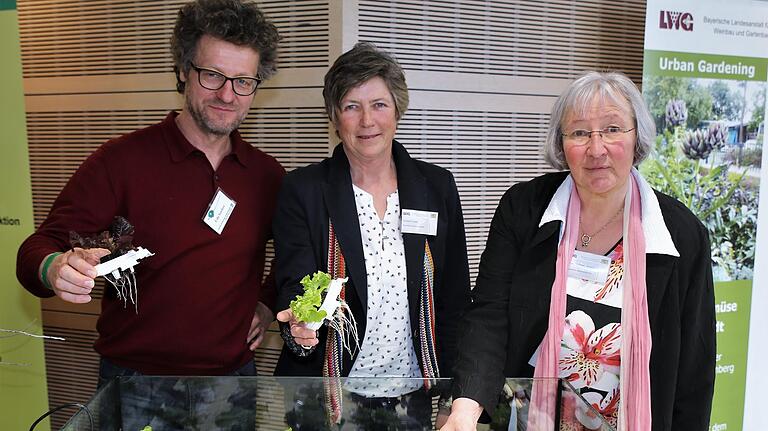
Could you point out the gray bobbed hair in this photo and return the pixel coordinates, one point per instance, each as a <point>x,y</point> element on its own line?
<point>606,87</point>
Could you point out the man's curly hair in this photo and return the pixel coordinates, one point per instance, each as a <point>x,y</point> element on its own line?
<point>234,21</point>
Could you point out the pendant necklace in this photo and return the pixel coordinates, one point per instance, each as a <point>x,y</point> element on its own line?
<point>586,238</point>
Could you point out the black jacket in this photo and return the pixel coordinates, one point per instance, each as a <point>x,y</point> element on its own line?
<point>310,195</point>
<point>508,318</point>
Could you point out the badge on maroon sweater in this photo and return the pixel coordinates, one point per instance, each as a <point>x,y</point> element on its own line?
<point>219,210</point>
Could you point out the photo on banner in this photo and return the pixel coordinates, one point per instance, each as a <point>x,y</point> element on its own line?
<point>704,78</point>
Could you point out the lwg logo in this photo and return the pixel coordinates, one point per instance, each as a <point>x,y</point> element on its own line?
<point>675,20</point>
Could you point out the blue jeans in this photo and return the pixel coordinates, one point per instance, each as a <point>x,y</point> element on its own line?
<point>407,412</point>
<point>108,371</point>
<point>181,403</point>
<point>306,410</point>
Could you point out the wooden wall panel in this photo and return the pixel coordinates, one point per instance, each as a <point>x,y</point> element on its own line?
<point>532,38</point>
<point>486,152</point>
<point>483,75</point>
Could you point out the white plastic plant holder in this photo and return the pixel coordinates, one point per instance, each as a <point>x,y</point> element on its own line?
<point>339,316</point>
<point>331,302</point>
<point>321,302</point>
<point>120,274</point>
<point>123,262</point>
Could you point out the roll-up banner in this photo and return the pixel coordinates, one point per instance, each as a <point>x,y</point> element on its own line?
<point>704,79</point>
<point>23,390</point>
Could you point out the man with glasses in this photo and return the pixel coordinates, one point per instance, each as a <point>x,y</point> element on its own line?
<point>200,198</point>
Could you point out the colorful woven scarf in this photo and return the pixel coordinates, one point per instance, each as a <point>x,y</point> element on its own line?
<point>429,368</point>
<point>334,342</point>
<point>636,334</point>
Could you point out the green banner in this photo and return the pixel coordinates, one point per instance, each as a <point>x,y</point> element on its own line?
<point>23,390</point>
<point>705,80</point>
<point>707,154</point>
<point>733,302</point>
<point>690,65</point>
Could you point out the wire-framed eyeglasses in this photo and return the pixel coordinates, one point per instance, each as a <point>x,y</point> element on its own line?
<point>608,134</point>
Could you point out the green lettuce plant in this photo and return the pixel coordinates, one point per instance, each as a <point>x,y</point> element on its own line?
<point>305,306</point>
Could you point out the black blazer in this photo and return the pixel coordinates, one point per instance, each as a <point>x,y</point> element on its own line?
<point>315,193</point>
<point>508,318</point>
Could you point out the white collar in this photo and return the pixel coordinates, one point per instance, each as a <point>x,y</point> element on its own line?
<point>657,237</point>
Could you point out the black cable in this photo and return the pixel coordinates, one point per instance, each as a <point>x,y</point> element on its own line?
<point>64,406</point>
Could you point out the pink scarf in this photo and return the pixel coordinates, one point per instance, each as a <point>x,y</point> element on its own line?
<point>635,379</point>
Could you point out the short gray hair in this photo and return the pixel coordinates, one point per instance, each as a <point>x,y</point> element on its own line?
<point>577,98</point>
<point>356,66</point>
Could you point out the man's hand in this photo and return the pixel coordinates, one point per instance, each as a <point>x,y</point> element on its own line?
<point>299,331</point>
<point>71,275</point>
<point>262,318</point>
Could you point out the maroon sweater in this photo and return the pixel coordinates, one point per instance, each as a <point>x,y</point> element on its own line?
<point>197,295</point>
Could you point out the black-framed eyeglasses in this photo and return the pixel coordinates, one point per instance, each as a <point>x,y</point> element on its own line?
<point>608,134</point>
<point>214,80</point>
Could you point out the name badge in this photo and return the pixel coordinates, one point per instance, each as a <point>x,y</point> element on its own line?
<point>589,266</point>
<point>219,210</point>
<point>419,222</point>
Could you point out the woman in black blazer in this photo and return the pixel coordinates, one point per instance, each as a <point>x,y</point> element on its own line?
<point>634,333</point>
<point>392,224</point>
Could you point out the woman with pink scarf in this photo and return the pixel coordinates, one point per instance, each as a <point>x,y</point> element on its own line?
<point>591,276</point>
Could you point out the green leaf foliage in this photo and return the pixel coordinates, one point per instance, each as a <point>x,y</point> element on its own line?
<point>719,193</point>
<point>305,307</point>
<point>658,90</point>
